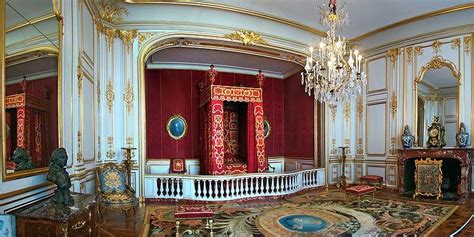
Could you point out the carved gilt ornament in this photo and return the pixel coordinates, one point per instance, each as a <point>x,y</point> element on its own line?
<point>110,95</point>
<point>437,63</point>
<point>128,96</point>
<point>467,43</point>
<point>246,37</point>
<point>112,11</point>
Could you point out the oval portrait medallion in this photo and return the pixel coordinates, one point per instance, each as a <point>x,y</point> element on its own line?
<point>176,127</point>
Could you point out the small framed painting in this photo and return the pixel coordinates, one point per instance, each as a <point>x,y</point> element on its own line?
<point>176,127</point>
<point>266,128</point>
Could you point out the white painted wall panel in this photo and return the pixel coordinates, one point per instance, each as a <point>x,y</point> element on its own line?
<point>376,129</point>
<point>89,120</point>
<point>377,75</point>
<point>87,34</point>
<point>376,170</point>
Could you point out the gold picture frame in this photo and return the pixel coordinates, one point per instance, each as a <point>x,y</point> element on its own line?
<point>428,178</point>
<point>176,117</point>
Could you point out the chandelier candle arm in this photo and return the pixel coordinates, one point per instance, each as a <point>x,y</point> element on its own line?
<point>328,75</point>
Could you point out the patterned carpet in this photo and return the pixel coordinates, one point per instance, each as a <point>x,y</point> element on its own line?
<point>310,214</point>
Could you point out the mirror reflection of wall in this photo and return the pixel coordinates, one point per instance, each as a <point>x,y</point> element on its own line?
<point>31,84</point>
<point>438,94</point>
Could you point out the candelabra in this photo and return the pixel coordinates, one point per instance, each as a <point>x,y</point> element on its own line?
<point>128,163</point>
<point>343,179</point>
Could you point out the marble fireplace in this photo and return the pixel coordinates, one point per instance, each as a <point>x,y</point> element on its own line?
<point>456,168</point>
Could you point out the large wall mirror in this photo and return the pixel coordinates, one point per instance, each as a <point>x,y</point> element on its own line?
<point>31,82</point>
<point>437,93</point>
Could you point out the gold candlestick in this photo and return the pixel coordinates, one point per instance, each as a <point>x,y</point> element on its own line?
<point>128,163</point>
<point>343,179</point>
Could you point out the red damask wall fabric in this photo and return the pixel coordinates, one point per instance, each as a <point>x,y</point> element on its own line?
<point>170,92</point>
<point>299,119</point>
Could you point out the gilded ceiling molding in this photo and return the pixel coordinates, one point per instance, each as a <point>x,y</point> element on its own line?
<point>394,104</point>
<point>418,51</point>
<point>127,37</point>
<point>79,147</point>
<point>110,95</point>
<point>144,36</point>
<point>110,152</point>
<point>393,55</point>
<point>80,74</point>
<point>467,43</point>
<point>112,12</point>
<point>409,52</point>
<point>456,43</point>
<point>333,109</point>
<point>360,108</point>
<point>436,45</point>
<point>347,110</point>
<point>128,96</point>
<point>246,37</point>
<point>30,22</point>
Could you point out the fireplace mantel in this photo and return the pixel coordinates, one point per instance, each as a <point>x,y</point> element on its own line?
<point>461,154</point>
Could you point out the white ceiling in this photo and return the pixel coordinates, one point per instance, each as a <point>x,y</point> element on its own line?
<point>440,78</point>
<point>364,15</point>
<point>180,58</point>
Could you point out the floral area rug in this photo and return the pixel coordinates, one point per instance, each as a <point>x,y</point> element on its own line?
<point>309,214</point>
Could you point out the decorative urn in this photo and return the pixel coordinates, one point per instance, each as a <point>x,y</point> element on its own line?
<point>406,138</point>
<point>462,138</point>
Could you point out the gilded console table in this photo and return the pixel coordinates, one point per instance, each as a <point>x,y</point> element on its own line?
<point>463,155</point>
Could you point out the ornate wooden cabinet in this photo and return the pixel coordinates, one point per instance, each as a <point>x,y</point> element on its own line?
<point>47,219</point>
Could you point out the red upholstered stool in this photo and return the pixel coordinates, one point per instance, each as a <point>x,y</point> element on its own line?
<point>374,180</point>
<point>194,212</point>
<point>360,190</point>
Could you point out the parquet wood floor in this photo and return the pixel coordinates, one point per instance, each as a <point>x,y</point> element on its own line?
<point>117,224</point>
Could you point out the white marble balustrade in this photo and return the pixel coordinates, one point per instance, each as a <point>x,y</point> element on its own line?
<point>230,187</point>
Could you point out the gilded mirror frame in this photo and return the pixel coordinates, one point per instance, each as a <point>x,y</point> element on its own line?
<point>436,63</point>
<point>57,6</point>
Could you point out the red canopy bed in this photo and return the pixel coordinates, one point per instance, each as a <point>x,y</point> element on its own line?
<point>232,128</point>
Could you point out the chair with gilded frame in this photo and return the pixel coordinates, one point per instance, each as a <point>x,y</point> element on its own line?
<point>113,191</point>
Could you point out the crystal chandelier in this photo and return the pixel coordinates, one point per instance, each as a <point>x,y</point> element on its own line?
<point>327,73</point>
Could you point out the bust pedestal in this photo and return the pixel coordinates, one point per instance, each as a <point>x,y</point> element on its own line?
<point>47,219</point>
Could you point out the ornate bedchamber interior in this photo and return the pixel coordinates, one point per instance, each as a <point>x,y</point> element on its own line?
<point>231,127</point>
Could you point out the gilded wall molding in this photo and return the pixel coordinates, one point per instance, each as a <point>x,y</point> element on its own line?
<point>437,62</point>
<point>360,147</point>
<point>393,146</point>
<point>347,143</point>
<point>98,92</point>
<point>394,104</point>
<point>110,150</point>
<point>246,37</point>
<point>80,74</point>
<point>418,51</point>
<point>144,36</point>
<point>436,45</point>
<point>467,43</point>
<point>456,43</point>
<point>128,96</point>
<point>333,109</point>
<point>127,37</point>
<point>393,55</point>
<point>360,108</point>
<point>99,153</point>
<point>409,53</point>
<point>110,95</point>
<point>79,156</point>
<point>347,110</point>
<point>333,149</point>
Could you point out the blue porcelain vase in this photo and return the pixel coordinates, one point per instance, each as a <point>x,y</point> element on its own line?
<point>462,138</point>
<point>407,139</point>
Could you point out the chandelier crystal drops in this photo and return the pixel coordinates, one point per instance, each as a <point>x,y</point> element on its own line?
<point>328,75</point>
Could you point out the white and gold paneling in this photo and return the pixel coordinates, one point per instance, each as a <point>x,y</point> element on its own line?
<point>291,163</point>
